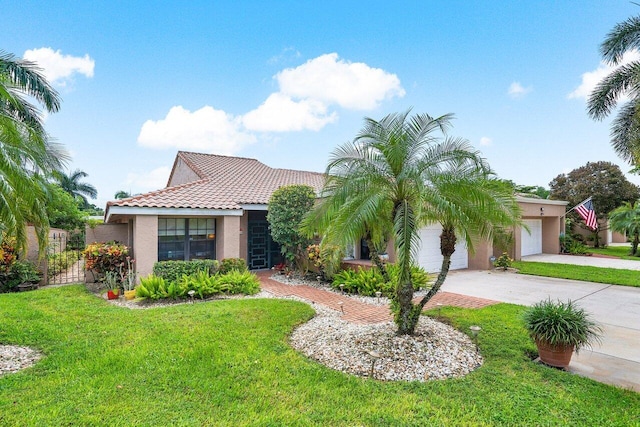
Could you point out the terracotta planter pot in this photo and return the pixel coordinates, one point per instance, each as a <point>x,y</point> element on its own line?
<point>112,294</point>
<point>556,356</point>
<point>129,295</point>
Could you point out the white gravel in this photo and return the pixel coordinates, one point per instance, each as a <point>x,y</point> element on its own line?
<point>13,358</point>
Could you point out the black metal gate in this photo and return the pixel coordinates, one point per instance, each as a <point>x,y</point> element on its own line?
<point>263,252</point>
<point>65,263</point>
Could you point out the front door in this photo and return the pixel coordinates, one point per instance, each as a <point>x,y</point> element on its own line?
<point>263,252</point>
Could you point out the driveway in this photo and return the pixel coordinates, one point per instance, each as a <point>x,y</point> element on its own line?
<point>616,308</point>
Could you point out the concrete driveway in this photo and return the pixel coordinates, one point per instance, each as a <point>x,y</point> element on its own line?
<point>616,308</point>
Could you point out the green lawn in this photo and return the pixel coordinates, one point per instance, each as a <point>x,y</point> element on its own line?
<point>228,363</point>
<point>612,276</point>
<point>617,251</point>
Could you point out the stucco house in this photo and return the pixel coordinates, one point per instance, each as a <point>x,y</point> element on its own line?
<point>215,207</point>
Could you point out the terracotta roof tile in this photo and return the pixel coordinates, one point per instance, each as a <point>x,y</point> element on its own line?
<point>227,183</point>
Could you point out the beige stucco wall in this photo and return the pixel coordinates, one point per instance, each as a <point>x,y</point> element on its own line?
<point>228,237</point>
<point>182,174</point>
<point>618,237</point>
<point>145,243</point>
<point>108,233</point>
<point>480,259</point>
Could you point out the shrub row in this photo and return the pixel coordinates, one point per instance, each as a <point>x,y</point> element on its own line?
<point>172,271</point>
<point>202,283</point>
<point>368,282</point>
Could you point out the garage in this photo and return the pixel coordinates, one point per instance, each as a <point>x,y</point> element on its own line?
<point>429,256</point>
<point>532,239</point>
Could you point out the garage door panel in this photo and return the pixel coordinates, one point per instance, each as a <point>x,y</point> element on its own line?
<point>429,256</point>
<point>531,241</point>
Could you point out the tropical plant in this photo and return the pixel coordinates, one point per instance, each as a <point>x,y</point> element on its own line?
<point>27,154</point>
<point>503,261</point>
<point>287,207</point>
<point>72,185</point>
<point>368,282</point>
<point>561,324</point>
<point>121,194</point>
<point>103,257</point>
<point>63,210</point>
<point>402,173</point>
<point>622,81</point>
<point>172,271</point>
<point>626,219</point>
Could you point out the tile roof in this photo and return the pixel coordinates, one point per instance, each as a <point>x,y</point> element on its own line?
<point>226,183</point>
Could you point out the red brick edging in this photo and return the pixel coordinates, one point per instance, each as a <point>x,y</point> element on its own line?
<point>357,311</point>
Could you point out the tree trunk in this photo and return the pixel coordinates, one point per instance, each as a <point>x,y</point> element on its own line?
<point>596,238</point>
<point>634,244</point>
<point>447,248</point>
<point>375,258</point>
<point>406,318</point>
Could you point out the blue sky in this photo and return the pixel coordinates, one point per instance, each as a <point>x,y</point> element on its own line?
<point>286,82</point>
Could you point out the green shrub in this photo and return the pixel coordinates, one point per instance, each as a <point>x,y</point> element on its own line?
<point>240,282</point>
<point>201,283</point>
<point>19,272</point>
<point>172,271</point>
<point>503,261</point>
<point>103,257</point>
<point>230,264</point>
<point>152,287</point>
<point>368,282</point>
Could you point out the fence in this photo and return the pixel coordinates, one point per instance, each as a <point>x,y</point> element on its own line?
<point>64,259</point>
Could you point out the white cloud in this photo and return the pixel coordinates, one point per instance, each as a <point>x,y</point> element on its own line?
<point>287,54</point>
<point>485,141</point>
<point>279,113</point>
<point>590,79</point>
<point>516,90</point>
<point>152,180</point>
<point>59,68</point>
<point>351,85</point>
<point>207,130</point>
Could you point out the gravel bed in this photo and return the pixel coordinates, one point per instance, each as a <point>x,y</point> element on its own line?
<point>13,358</point>
<point>435,351</point>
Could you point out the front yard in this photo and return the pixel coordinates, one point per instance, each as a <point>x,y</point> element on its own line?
<point>229,363</point>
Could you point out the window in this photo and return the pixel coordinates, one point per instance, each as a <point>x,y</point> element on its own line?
<point>186,238</point>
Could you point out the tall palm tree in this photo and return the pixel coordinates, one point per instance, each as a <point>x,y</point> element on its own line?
<point>27,154</point>
<point>406,172</point>
<point>624,80</point>
<point>626,219</point>
<point>121,194</point>
<point>78,190</point>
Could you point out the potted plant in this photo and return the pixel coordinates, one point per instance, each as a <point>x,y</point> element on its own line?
<point>558,329</point>
<point>113,288</point>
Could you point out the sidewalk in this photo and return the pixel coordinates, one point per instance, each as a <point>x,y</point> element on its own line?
<point>356,311</point>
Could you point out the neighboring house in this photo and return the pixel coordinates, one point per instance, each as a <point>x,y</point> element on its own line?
<point>215,207</point>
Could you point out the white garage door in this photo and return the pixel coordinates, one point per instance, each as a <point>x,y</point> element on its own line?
<point>531,243</point>
<point>429,256</point>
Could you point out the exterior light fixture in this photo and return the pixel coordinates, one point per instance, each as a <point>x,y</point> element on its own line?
<point>374,357</point>
<point>341,304</point>
<point>475,330</point>
<point>378,294</point>
<point>191,294</point>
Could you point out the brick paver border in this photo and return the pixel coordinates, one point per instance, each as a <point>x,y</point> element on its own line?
<point>357,311</point>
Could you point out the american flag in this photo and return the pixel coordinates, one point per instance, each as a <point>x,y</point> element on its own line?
<point>586,211</point>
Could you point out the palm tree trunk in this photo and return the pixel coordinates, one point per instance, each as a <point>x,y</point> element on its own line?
<point>407,317</point>
<point>375,258</point>
<point>447,248</point>
<point>634,244</point>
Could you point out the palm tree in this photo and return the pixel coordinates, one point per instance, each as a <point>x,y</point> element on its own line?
<point>625,80</point>
<point>626,219</point>
<point>72,185</point>
<point>402,173</point>
<point>121,194</point>
<point>27,154</point>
